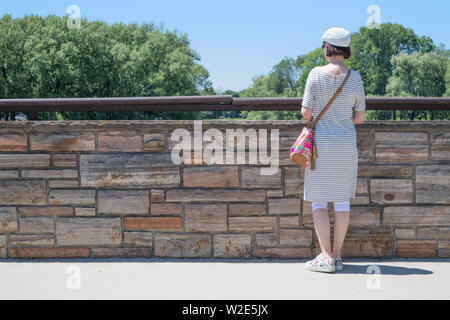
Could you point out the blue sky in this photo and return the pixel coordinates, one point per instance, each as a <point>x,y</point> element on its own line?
<point>239,39</point>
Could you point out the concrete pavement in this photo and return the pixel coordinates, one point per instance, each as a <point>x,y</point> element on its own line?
<point>225,279</point>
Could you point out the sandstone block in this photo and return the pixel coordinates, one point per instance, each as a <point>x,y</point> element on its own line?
<point>416,216</point>
<point>49,252</point>
<point>205,217</point>
<point>50,174</point>
<point>24,160</point>
<point>284,206</point>
<point>3,251</point>
<point>274,193</point>
<point>139,239</point>
<point>154,142</point>
<point>440,233</point>
<point>256,223</point>
<point>440,146</point>
<point>123,202</point>
<point>252,177</point>
<point>385,191</point>
<point>9,174</point>
<point>405,233</point>
<point>401,137</point>
<point>121,252</point>
<point>443,250</point>
<point>63,184</point>
<point>245,209</point>
<point>8,219</point>
<point>31,240</point>
<point>432,183</point>
<point>293,180</point>
<point>128,171</point>
<point>266,239</point>
<point>232,245</point>
<point>385,170</point>
<point>84,212</point>
<point>183,245</point>
<point>123,141</point>
<point>188,195</point>
<point>416,248</point>
<point>153,223</point>
<point>36,225</point>
<point>13,141</point>
<point>157,195</point>
<point>289,221</point>
<point>165,208</point>
<point>88,231</point>
<point>359,200</point>
<point>45,211</point>
<point>364,143</point>
<point>293,237</point>
<point>65,160</point>
<point>211,176</point>
<point>62,141</point>
<point>74,197</point>
<point>395,152</point>
<point>23,192</point>
<point>362,185</point>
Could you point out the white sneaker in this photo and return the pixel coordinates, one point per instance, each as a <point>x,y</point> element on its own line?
<point>320,264</point>
<point>339,264</point>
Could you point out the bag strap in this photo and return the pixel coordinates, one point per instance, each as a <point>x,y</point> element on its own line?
<point>338,91</point>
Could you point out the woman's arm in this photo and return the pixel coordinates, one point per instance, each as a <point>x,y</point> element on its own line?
<point>309,96</point>
<point>360,104</point>
<point>358,116</point>
<point>307,113</point>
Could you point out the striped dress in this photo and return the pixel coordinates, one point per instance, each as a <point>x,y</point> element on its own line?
<point>336,165</point>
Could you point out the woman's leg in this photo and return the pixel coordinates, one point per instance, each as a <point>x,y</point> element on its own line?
<point>341,221</point>
<point>322,227</point>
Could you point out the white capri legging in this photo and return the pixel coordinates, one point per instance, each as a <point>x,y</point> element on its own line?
<point>338,206</point>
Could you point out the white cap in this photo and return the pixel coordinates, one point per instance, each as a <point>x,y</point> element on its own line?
<point>339,37</point>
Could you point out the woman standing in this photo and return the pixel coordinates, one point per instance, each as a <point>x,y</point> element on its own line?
<point>336,165</point>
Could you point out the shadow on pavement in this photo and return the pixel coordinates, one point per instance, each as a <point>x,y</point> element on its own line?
<point>383,269</point>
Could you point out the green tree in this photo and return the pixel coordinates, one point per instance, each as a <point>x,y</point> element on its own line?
<point>41,58</point>
<point>287,79</point>
<point>447,79</point>
<point>284,77</point>
<point>372,50</point>
<point>419,75</point>
<point>305,63</point>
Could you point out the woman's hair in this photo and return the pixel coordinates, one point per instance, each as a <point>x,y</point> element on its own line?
<point>331,50</point>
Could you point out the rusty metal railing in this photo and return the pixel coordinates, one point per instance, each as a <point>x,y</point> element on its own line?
<point>203,103</point>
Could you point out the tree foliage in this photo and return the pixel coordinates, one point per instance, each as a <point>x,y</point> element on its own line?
<point>372,50</point>
<point>40,57</point>
<point>419,75</point>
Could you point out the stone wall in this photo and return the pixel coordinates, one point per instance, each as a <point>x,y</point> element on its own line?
<point>110,189</point>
